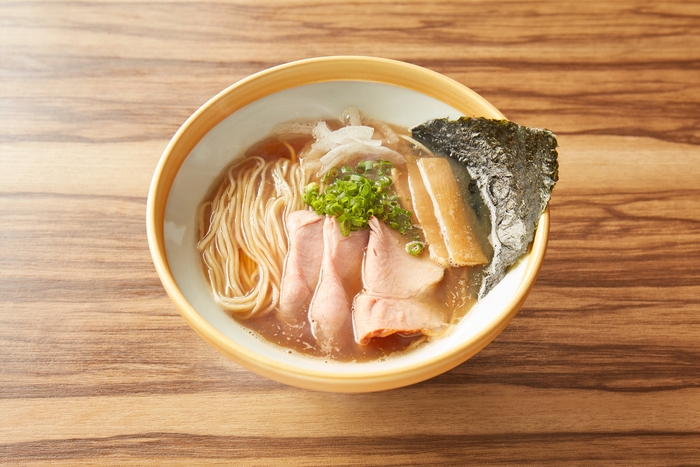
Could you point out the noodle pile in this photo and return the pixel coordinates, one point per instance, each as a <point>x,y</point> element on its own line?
<point>243,241</point>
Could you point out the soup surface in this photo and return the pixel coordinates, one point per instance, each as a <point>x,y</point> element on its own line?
<point>387,254</point>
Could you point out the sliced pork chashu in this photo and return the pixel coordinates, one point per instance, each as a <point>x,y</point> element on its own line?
<point>390,271</point>
<point>381,317</point>
<point>302,265</point>
<point>340,279</point>
<point>394,282</point>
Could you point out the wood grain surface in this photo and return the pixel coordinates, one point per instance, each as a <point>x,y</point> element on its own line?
<point>600,367</point>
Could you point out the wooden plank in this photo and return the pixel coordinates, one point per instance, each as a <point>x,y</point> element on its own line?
<point>598,368</point>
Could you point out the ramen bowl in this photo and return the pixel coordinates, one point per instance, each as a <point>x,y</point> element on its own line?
<point>223,128</point>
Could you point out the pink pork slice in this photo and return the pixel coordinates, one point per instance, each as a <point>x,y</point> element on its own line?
<point>381,317</point>
<point>390,271</point>
<point>302,265</point>
<point>394,283</point>
<point>341,278</point>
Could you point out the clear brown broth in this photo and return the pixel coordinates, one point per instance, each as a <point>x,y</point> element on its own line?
<point>453,297</point>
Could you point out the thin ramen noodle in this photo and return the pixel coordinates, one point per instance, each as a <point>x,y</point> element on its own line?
<point>243,242</point>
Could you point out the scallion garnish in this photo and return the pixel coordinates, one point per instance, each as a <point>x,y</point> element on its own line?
<point>414,248</point>
<point>354,196</point>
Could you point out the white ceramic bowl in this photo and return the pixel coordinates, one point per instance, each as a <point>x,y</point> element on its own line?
<point>223,128</point>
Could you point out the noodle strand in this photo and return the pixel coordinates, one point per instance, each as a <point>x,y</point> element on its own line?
<point>244,243</point>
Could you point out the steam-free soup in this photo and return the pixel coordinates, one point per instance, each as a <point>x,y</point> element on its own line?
<point>344,239</point>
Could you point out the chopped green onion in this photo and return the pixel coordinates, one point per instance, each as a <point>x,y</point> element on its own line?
<point>354,196</point>
<point>415,248</point>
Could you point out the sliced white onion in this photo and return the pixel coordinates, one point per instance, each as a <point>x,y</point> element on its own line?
<point>321,131</point>
<point>361,134</point>
<point>332,139</point>
<point>345,153</point>
<point>351,116</point>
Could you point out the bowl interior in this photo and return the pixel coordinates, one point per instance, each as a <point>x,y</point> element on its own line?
<point>228,140</point>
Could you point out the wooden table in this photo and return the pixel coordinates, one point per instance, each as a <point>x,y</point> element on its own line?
<point>600,367</point>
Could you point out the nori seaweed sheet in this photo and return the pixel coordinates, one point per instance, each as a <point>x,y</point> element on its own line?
<point>515,168</point>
